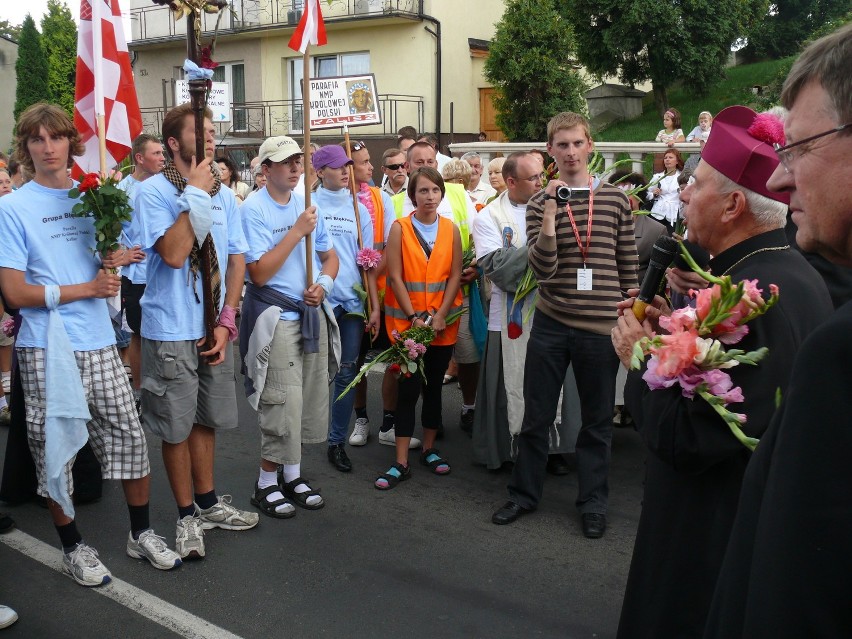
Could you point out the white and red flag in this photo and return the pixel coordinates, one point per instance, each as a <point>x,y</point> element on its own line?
<point>104,87</point>
<point>311,29</point>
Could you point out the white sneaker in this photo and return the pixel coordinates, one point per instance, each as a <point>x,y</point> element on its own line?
<point>361,432</point>
<point>84,567</point>
<point>223,515</point>
<point>389,439</point>
<point>153,548</point>
<point>7,616</point>
<point>189,538</point>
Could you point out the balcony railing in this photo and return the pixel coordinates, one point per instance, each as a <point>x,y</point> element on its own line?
<point>156,23</point>
<point>260,120</point>
<point>637,151</point>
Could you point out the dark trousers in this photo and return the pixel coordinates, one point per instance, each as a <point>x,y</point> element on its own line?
<point>435,363</point>
<point>552,347</point>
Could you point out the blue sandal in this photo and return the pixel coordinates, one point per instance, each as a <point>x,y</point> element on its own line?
<point>390,479</point>
<point>432,459</point>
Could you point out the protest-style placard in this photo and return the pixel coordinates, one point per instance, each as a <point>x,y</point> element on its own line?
<point>344,101</point>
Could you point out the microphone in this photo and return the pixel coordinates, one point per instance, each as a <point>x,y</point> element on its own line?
<point>662,255</point>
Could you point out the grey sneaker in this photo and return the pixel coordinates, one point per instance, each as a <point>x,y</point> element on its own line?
<point>223,515</point>
<point>189,538</point>
<point>361,432</point>
<point>153,548</point>
<point>84,567</point>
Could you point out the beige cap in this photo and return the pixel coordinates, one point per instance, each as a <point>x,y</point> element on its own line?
<point>278,149</point>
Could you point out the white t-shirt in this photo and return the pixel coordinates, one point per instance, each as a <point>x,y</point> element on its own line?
<point>39,237</point>
<point>170,310</point>
<point>265,223</point>
<point>489,238</point>
<point>482,192</point>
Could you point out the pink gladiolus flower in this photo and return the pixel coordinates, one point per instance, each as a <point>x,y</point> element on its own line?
<point>654,380</point>
<point>368,258</point>
<point>677,352</point>
<point>682,319</point>
<point>704,301</point>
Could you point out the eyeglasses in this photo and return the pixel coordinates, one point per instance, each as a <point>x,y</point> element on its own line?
<point>357,146</point>
<point>538,178</point>
<point>394,167</point>
<point>787,156</point>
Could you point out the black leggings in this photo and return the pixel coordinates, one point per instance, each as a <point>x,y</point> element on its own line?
<point>435,363</point>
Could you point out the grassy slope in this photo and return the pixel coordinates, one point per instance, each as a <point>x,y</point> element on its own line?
<point>734,89</point>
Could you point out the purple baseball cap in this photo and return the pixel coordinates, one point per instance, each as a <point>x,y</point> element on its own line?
<point>331,156</point>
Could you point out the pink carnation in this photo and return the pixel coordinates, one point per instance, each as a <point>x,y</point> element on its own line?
<point>8,327</point>
<point>368,258</point>
<point>767,128</point>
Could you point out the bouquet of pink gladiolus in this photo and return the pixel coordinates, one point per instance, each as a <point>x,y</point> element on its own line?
<point>693,354</point>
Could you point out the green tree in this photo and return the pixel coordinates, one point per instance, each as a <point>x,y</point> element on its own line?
<point>788,23</point>
<point>531,63</point>
<point>10,30</point>
<point>30,68</point>
<point>59,41</point>
<point>661,41</point>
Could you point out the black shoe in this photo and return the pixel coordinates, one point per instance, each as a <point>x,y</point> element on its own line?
<point>594,525</point>
<point>558,465</point>
<point>6,523</point>
<point>508,513</point>
<point>466,422</point>
<point>339,459</point>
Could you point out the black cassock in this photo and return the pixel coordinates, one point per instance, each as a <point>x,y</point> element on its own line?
<point>788,570</point>
<point>695,465</point>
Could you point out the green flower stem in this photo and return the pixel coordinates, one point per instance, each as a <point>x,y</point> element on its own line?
<point>730,419</point>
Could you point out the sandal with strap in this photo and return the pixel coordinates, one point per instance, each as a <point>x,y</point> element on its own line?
<point>301,499</point>
<point>432,459</point>
<point>260,500</point>
<point>396,474</point>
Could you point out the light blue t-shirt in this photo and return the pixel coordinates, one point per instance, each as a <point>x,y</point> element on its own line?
<point>170,310</point>
<point>336,209</point>
<point>428,231</point>
<point>130,232</point>
<point>265,223</point>
<point>39,236</point>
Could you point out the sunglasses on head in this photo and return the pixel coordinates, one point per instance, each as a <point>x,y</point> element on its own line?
<point>394,167</point>
<point>357,146</point>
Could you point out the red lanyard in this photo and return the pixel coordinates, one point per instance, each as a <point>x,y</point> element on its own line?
<point>584,250</point>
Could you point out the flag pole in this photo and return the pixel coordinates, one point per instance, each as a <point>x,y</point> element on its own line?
<point>97,72</point>
<point>354,190</point>
<point>306,128</point>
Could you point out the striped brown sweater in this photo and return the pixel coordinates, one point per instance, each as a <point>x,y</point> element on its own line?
<point>612,257</point>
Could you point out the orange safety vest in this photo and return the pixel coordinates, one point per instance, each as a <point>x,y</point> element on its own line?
<point>425,280</point>
<point>378,230</point>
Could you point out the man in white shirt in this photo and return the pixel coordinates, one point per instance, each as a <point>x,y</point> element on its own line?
<point>480,191</point>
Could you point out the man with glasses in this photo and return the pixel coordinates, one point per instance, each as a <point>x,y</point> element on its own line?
<point>480,191</point>
<point>695,466</point>
<point>786,570</point>
<point>500,236</point>
<point>395,176</point>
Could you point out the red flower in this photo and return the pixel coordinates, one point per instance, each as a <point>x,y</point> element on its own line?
<point>394,369</point>
<point>89,181</point>
<point>207,59</point>
<point>514,330</point>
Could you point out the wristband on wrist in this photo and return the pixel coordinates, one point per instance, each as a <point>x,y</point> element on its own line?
<point>227,318</point>
<point>326,282</point>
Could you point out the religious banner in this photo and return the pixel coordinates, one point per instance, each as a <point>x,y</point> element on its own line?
<point>344,101</point>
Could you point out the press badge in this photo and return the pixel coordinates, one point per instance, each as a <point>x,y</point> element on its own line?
<point>584,279</point>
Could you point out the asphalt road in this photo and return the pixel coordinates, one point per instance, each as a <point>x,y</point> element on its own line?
<point>422,560</point>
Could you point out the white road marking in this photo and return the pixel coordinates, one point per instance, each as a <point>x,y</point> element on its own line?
<point>171,617</point>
